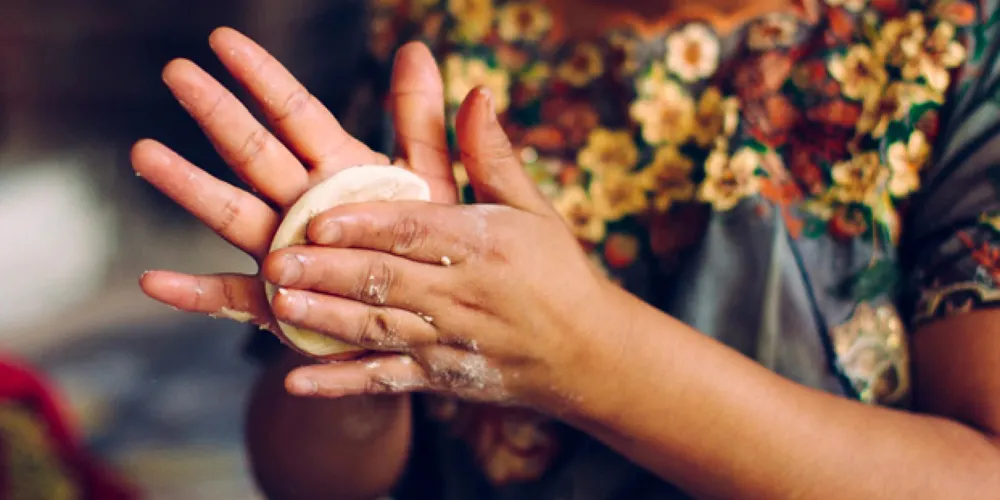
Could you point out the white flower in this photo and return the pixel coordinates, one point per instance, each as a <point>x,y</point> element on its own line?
<point>693,52</point>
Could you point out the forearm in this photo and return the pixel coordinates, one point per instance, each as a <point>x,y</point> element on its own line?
<point>350,448</point>
<point>719,425</point>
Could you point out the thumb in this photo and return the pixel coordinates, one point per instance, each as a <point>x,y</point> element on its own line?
<point>417,100</point>
<point>495,173</point>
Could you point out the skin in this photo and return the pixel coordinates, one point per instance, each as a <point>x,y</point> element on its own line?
<point>281,426</point>
<point>515,314</point>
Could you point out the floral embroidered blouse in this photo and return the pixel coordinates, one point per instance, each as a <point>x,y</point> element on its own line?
<point>809,188</point>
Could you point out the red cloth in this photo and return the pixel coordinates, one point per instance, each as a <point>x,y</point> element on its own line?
<point>22,386</point>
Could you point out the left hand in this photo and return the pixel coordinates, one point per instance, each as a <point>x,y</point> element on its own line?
<point>490,302</point>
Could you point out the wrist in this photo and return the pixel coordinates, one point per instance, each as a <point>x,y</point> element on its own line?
<point>596,378</point>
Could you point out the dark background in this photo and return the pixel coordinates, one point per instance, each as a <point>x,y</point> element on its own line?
<point>156,393</point>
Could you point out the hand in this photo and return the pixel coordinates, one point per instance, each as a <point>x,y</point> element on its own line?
<point>490,302</point>
<point>272,166</point>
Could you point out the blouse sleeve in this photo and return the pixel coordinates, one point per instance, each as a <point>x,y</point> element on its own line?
<point>390,24</point>
<point>952,239</point>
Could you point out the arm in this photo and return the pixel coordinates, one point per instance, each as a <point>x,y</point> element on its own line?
<point>722,426</point>
<point>351,448</point>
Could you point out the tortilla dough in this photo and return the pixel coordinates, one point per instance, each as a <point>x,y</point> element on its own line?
<point>352,185</point>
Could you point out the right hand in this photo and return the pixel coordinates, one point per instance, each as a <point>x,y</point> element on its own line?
<point>312,147</point>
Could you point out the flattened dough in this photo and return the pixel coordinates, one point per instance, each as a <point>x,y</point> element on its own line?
<point>352,185</point>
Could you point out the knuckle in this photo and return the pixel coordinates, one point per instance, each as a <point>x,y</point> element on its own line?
<point>231,210</point>
<point>377,330</point>
<point>253,145</point>
<point>376,283</point>
<point>293,104</point>
<point>408,234</point>
<point>212,110</point>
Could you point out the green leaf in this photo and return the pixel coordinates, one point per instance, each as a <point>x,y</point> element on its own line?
<point>979,45</point>
<point>757,146</point>
<point>880,279</point>
<point>814,227</point>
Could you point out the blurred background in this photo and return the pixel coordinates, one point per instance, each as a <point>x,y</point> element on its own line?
<point>156,393</point>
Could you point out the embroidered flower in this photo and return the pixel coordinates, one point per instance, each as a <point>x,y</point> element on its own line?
<point>524,21</point>
<point>871,349</point>
<point>616,195</point>
<point>901,39</point>
<point>849,5</point>
<point>584,64</point>
<point>668,178</point>
<point>729,180</point>
<point>860,72</point>
<point>578,121</point>
<point>608,152</point>
<point>906,160</point>
<point>693,52</point>
<point>893,105</point>
<point>577,209</point>
<point>621,250</point>
<point>474,19</point>
<point>775,30</point>
<point>666,115</point>
<point>858,179</point>
<point>462,75</point>
<point>715,116</point>
<point>940,53</point>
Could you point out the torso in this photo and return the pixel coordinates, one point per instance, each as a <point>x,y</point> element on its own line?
<point>747,173</point>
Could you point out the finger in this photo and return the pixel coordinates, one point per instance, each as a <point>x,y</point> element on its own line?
<point>305,124</point>
<point>370,277</point>
<point>239,217</point>
<point>417,100</point>
<point>371,327</point>
<point>392,374</point>
<point>246,146</point>
<point>422,232</point>
<point>495,173</point>
<point>233,296</point>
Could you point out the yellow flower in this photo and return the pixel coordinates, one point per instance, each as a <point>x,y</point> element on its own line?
<point>582,66</point>
<point>859,179</point>
<point>906,160</point>
<point>578,211</point>
<point>940,53</point>
<point>772,31</point>
<point>715,116</point>
<point>668,178</point>
<point>474,19</point>
<point>608,152</point>
<point>524,21</point>
<point>462,75</point>
<point>693,52</point>
<point>893,105</point>
<point>617,195</point>
<point>666,115</point>
<point>729,180</point>
<point>903,38</point>
<point>861,72</point>
<point>652,82</point>
<point>850,5</point>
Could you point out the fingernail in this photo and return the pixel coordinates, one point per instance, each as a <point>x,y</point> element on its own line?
<point>329,232</point>
<point>490,103</point>
<point>302,386</point>
<point>291,272</point>
<point>294,306</point>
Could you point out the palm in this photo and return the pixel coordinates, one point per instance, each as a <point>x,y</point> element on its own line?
<point>313,147</point>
